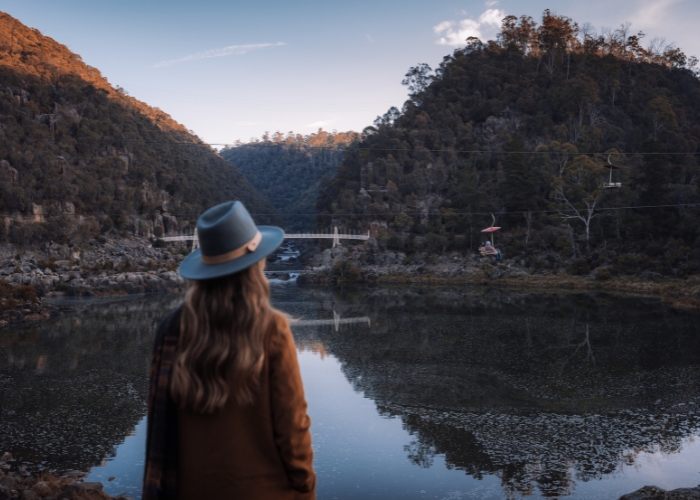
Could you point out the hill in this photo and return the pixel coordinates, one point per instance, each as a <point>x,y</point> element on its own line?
<point>288,169</point>
<point>78,156</point>
<point>523,127</point>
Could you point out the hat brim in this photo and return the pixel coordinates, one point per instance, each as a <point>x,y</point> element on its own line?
<point>192,267</point>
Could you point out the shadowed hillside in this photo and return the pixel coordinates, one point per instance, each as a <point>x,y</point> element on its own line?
<point>524,127</point>
<point>288,170</point>
<point>71,144</point>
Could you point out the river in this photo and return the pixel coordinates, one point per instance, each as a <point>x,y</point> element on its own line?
<point>444,393</point>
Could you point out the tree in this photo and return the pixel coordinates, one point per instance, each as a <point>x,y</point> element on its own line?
<point>662,116</point>
<point>578,192</point>
<point>556,36</point>
<point>519,35</point>
<point>417,80</point>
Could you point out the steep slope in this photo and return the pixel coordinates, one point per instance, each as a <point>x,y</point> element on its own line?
<point>523,128</point>
<point>288,170</point>
<point>71,144</point>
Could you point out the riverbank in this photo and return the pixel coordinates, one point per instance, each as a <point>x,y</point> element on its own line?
<point>343,265</point>
<point>17,483</point>
<point>656,493</point>
<point>110,266</point>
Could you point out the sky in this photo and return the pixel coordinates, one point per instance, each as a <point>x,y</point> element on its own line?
<point>231,70</point>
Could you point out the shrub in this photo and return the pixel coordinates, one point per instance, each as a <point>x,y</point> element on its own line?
<point>44,264</point>
<point>106,224</point>
<point>8,304</point>
<point>602,273</point>
<point>25,293</point>
<point>5,287</point>
<point>580,266</point>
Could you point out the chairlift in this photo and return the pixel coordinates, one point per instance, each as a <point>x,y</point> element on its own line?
<point>610,184</point>
<point>484,249</point>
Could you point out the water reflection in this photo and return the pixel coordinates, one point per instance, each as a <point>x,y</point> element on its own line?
<point>73,389</point>
<point>540,390</point>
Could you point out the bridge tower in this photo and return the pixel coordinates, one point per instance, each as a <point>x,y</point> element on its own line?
<point>336,238</point>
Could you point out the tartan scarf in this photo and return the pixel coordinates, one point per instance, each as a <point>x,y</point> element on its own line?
<point>160,475</point>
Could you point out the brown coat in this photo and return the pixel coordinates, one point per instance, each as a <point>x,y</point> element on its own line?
<point>258,451</point>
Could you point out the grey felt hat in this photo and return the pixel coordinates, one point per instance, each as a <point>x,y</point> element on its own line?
<point>229,241</point>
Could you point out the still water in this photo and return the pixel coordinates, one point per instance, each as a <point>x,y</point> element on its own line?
<point>413,393</point>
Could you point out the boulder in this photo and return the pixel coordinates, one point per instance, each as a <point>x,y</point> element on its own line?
<point>42,488</point>
<point>8,482</point>
<point>75,474</point>
<point>29,495</point>
<point>81,487</point>
<point>656,493</point>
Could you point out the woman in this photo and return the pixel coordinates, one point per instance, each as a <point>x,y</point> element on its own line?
<point>226,409</point>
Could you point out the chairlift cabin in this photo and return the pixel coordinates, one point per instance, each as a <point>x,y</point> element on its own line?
<point>610,184</point>
<point>485,250</point>
<point>491,230</point>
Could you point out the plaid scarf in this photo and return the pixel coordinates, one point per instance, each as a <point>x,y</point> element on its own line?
<point>160,476</point>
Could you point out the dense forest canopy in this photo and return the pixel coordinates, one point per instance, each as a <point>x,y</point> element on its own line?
<point>288,168</point>
<point>526,127</point>
<point>71,144</point>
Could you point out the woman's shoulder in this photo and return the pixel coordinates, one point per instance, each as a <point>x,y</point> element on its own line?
<point>279,335</point>
<point>169,325</point>
<point>171,320</point>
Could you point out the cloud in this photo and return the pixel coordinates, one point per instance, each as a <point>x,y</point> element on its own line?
<point>319,124</point>
<point>652,12</point>
<point>456,33</point>
<point>369,38</point>
<point>222,52</point>
<point>491,3</point>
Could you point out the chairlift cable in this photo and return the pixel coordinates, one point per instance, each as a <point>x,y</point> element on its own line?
<point>282,215</point>
<point>461,151</point>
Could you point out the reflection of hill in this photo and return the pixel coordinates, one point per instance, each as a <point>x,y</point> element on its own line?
<point>72,389</point>
<point>537,389</point>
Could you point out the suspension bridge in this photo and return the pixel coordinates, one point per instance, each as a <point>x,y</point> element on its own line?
<point>334,235</point>
<point>336,321</point>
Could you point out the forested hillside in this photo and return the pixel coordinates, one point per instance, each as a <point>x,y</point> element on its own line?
<point>287,169</point>
<point>72,145</point>
<point>523,127</point>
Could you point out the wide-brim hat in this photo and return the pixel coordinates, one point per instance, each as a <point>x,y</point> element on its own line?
<point>229,241</point>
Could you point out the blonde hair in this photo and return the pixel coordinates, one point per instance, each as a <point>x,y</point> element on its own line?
<point>222,334</point>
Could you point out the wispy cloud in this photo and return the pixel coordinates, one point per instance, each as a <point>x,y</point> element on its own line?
<point>369,38</point>
<point>222,52</point>
<point>491,3</point>
<point>456,33</point>
<point>319,124</point>
<point>652,12</point>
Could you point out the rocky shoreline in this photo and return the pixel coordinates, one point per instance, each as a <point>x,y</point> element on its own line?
<point>114,266</point>
<point>16,483</point>
<point>358,264</point>
<point>656,493</point>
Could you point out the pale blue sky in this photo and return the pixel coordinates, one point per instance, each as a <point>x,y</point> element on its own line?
<point>231,70</point>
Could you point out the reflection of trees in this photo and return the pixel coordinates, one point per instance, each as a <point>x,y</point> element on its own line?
<point>72,389</point>
<point>540,390</point>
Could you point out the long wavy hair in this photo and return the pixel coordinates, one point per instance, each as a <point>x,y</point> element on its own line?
<point>222,335</point>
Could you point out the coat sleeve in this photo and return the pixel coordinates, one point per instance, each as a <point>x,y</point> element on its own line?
<point>289,418</point>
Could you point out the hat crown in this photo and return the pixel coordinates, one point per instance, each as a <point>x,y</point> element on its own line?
<point>224,228</point>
